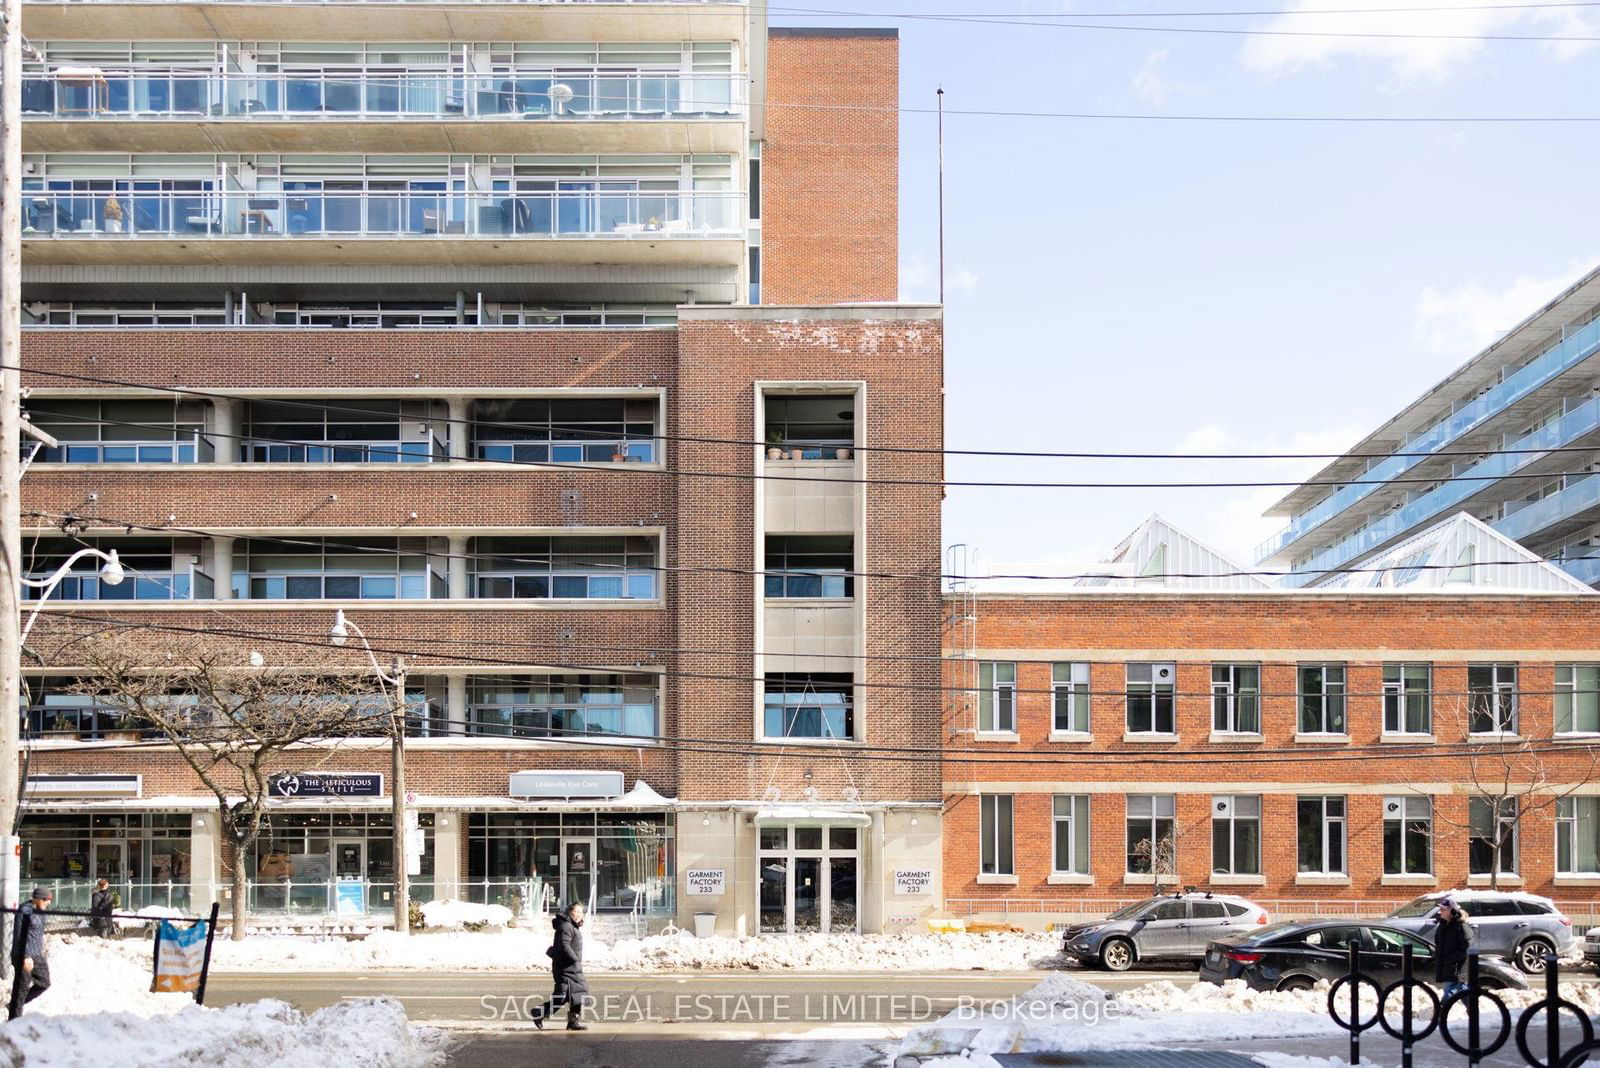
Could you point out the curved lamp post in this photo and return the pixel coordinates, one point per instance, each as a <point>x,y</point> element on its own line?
<point>338,635</point>
<point>111,573</point>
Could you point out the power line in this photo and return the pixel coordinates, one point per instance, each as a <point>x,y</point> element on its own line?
<point>314,541</point>
<point>640,470</point>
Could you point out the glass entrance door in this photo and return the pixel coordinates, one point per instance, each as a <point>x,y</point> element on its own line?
<point>110,861</point>
<point>349,877</point>
<point>577,871</point>
<point>808,895</point>
<point>810,879</point>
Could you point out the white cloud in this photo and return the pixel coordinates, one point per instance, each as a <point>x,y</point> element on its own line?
<point>919,279</point>
<point>961,280</point>
<point>1150,83</point>
<point>1427,45</point>
<point>1463,320</point>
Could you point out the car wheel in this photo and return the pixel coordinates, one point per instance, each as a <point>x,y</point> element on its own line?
<point>1117,954</point>
<point>1296,982</point>
<point>1530,955</point>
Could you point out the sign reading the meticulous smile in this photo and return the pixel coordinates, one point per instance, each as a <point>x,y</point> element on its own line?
<point>327,784</point>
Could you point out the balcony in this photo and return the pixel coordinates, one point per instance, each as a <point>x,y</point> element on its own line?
<point>155,569</point>
<point>347,315</point>
<point>1577,424</point>
<point>1571,350</point>
<point>1582,568</point>
<point>557,431</point>
<point>344,432</point>
<point>572,225</point>
<point>603,568</point>
<point>563,706</point>
<point>570,111</point>
<point>120,432</point>
<point>1573,506</point>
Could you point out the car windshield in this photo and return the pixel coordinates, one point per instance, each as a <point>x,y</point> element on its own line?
<point>1412,909</point>
<point>1128,912</point>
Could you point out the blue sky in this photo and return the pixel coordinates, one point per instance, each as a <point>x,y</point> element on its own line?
<point>1164,286</point>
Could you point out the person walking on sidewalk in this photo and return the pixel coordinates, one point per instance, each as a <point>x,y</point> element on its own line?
<point>100,909</point>
<point>1450,945</point>
<point>30,970</point>
<point>566,967</point>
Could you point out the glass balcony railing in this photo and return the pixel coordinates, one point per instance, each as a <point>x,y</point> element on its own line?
<point>565,96</point>
<point>1529,520</point>
<point>1572,349</point>
<point>566,452</point>
<point>141,586</point>
<point>1582,568</point>
<point>342,452</point>
<point>1584,419</point>
<point>410,214</point>
<point>171,451</point>
<point>606,585</point>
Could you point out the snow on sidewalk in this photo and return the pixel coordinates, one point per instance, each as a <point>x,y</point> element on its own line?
<point>99,1008</point>
<point>519,949</point>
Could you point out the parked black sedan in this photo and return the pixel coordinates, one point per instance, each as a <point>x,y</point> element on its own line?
<point>1297,955</point>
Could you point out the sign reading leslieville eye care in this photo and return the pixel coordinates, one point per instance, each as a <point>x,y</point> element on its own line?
<point>566,784</point>
<point>917,882</point>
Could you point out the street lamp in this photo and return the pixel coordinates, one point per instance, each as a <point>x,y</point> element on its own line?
<point>111,573</point>
<point>338,635</point>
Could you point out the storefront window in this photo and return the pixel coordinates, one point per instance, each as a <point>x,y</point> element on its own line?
<point>144,855</point>
<point>810,878</point>
<point>339,863</point>
<point>612,862</point>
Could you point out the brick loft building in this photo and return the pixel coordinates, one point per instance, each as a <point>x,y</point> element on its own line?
<point>550,346</point>
<point>1329,749</point>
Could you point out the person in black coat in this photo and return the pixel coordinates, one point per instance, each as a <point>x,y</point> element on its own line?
<point>1450,944</point>
<point>29,969</point>
<point>566,968</point>
<point>100,909</point>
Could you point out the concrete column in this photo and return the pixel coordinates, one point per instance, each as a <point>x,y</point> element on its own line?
<point>874,845</point>
<point>205,851</point>
<point>447,831</point>
<point>455,704</point>
<point>225,428</point>
<point>460,428</point>
<point>221,566</point>
<point>460,573</point>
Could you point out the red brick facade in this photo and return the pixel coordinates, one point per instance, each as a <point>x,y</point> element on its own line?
<point>830,167</point>
<point>1108,630</point>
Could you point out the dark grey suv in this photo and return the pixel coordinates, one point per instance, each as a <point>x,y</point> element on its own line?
<point>1521,927</point>
<point>1160,928</point>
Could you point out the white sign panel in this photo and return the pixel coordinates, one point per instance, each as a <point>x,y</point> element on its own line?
<point>914,882</point>
<point>566,784</point>
<point>706,882</point>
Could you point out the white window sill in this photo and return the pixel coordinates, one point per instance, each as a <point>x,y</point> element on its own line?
<point>1493,736</point>
<point>997,880</point>
<point>1147,736</point>
<point>1577,880</point>
<point>1219,879</point>
<point>1317,878</point>
<point>1506,879</point>
<point>1070,878</point>
<point>1577,738</point>
<point>1237,737</point>
<point>1071,736</point>
<point>1409,880</point>
<point>1322,739</point>
<point>996,736</point>
<point>1134,878</point>
<point>1406,739</point>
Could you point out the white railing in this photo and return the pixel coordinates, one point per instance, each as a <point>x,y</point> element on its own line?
<point>410,214</point>
<point>324,96</point>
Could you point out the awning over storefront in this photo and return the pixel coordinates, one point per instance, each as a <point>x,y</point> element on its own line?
<point>810,814</point>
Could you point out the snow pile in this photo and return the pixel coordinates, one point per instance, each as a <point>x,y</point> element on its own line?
<point>1064,1014</point>
<point>152,914</point>
<point>89,975</point>
<point>464,913</point>
<point>360,1033</point>
<point>520,949</point>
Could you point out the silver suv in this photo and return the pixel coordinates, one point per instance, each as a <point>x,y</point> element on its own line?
<point>1175,927</point>
<point>1523,927</point>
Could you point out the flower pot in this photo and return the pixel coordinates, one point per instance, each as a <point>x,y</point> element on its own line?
<point>842,454</point>
<point>618,458</point>
<point>774,453</point>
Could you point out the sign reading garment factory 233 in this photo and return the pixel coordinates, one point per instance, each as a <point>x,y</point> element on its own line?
<point>327,784</point>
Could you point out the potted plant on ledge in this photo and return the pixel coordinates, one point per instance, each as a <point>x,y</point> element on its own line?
<point>774,445</point>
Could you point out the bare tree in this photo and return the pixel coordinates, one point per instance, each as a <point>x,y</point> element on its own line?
<point>1160,857</point>
<point>236,722</point>
<point>1509,775</point>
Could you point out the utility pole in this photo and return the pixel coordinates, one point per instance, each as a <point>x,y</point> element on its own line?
<point>397,791</point>
<point>10,442</point>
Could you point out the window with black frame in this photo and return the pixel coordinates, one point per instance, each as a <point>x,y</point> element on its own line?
<point>562,430</point>
<point>810,565</point>
<point>809,705</point>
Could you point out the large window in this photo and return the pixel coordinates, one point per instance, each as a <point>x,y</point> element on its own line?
<point>997,697</point>
<point>1071,840</point>
<point>553,430</point>
<point>312,568</point>
<point>1407,699</point>
<point>810,565</point>
<point>1236,834</point>
<point>1493,825</point>
<point>1322,699</point>
<point>1320,834</point>
<point>120,431</point>
<point>577,567</point>
<point>1578,836</point>
<point>810,427</point>
<point>1578,698</point>
<point>144,855</point>
<point>543,706</point>
<point>1236,698</point>
<point>1151,689</point>
<point>1407,836</point>
<point>1151,834</point>
<point>809,705</point>
<point>627,860</point>
<point>995,835</point>
<point>154,569</point>
<point>1069,687</point>
<point>347,431</point>
<point>1492,698</point>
